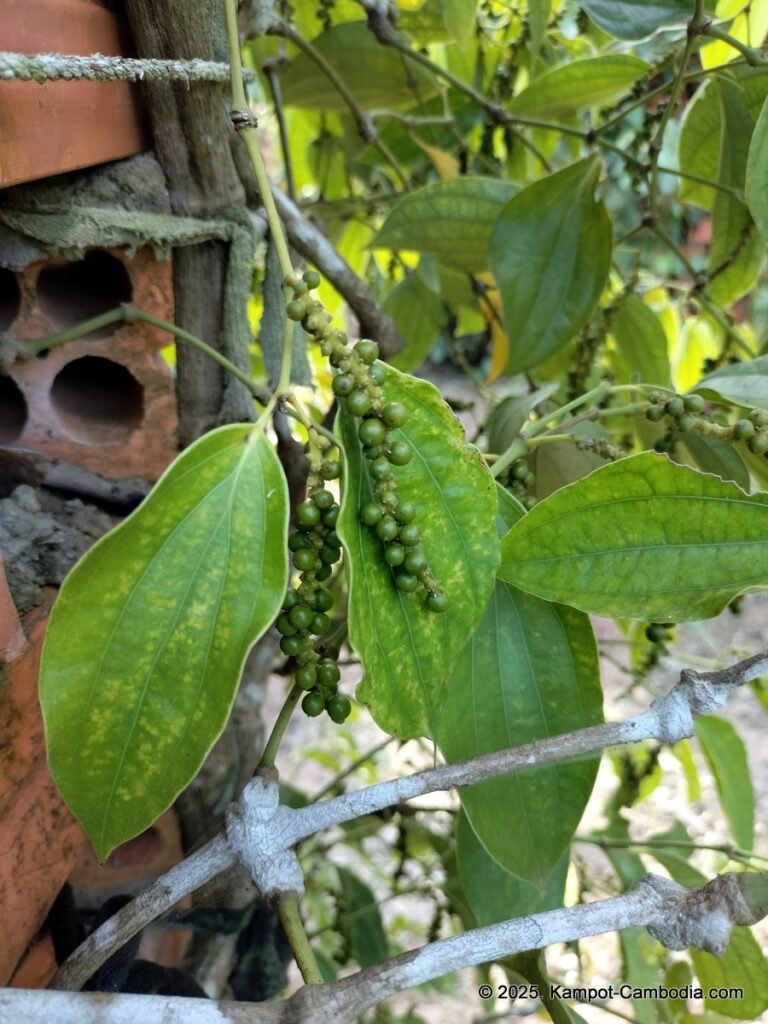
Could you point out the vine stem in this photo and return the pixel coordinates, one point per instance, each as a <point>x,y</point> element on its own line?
<point>278,729</point>
<point>245,124</point>
<point>696,26</point>
<point>130,314</point>
<point>293,926</point>
<point>752,56</point>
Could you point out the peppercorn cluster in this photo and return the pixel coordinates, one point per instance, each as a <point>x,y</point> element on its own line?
<point>304,620</point>
<point>520,480</point>
<point>687,412</point>
<point>358,385</point>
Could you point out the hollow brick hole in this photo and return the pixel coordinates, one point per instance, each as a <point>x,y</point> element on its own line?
<point>69,293</point>
<point>13,411</point>
<point>97,401</point>
<point>10,298</point>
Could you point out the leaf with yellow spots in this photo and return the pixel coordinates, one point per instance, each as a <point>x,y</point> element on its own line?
<point>407,651</point>
<point>147,638</point>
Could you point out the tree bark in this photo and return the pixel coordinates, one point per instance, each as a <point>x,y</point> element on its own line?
<point>192,137</point>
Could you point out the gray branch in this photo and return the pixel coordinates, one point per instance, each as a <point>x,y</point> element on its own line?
<point>679,918</point>
<point>262,834</point>
<point>47,67</point>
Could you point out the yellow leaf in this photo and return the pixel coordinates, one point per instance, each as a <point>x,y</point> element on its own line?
<point>446,165</point>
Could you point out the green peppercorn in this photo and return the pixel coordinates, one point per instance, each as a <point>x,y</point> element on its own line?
<point>296,310</point>
<point>372,431</point>
<point>378,373</point>
<point>368,351</point>
<point>330,518</point>
<point>743,430</point>
<point>311,278</point>
<point>518,470</point>
<point>394,414</point>
<point>380,468</point>
<point>395,554</point>
<point>685,423</point>
<point>330,469</point>
<point>297,541</point>
<point>437,601</point>
<point>410,535</point>
<point>343,385</point>
<point>320,624</point>
<point>406,582</point>
<point>301,616</point>
<point>415,563</point>
<point>400,453</point>
<point>328,673</point>
<point>284,625</point>
<point>373,451</point>
<point>338,708</point>
<point>291,599</point>
<point>675,406</point>
<point>300,288</point>
<point>313,704</point>
<point>291,645</point>
<point>406,511</point>
<point>694,403</point>
<point>332,539</point>
<point>358,402</point>
<point>759,417</point>
<point>370,513</point>
<point>306,677</point>
<point>307,515</point>
<point>654,413</point>
<point>387,528</point>
<point>305,559</point>
<point>758,444</point>
<point>323,573</point>
<point>329,555</point>
<point>323,600</point>
<point>323,500</point>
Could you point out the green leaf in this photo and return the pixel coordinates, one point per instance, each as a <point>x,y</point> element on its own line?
<point>642,538</point>
<point>727,759</point>
<point>744,384</point>
<point>736,252</point>
<point>569,88</point>
<point>700,134</point>
<point>408,651</point>
<point>493,894</point>
<point>641,341</point>
<point>561,463</point>
<point>419,314</point>
<point>376,75</point>
<point>504,423</point>
<point>426,24</point>
<point>712,455</point>
<point>451,220</point>
<point>550,252</point>
<point>636,19</point>
<point>530,670</point>
<point>459,17</point>
<point>359,921</point>
<point>147,638</point>
<point>741,966</point>
<point>757,174</point>
<point>538,16</point>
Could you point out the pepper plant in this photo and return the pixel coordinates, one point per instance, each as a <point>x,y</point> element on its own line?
<point>520,184</point>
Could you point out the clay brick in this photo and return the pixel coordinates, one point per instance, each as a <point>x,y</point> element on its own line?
<point>104,402</point>
<point>61,126</point>
<point>39,839</point>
